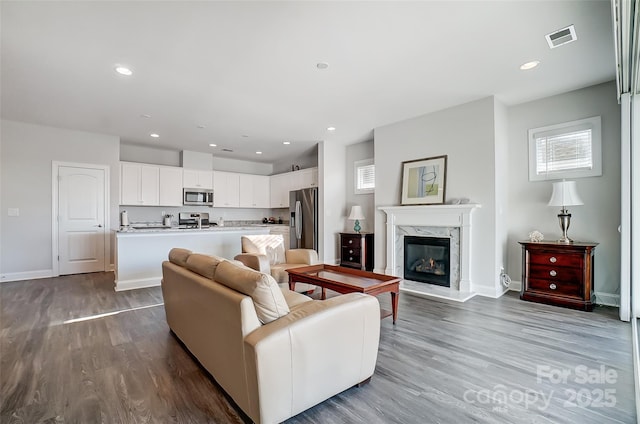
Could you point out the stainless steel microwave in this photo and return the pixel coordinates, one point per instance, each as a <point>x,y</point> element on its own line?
<point>197,197</point>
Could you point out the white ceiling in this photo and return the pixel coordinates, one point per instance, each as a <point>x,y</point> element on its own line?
<point>249,68</point>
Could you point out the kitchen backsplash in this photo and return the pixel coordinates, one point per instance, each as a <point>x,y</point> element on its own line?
<point>231,217</point>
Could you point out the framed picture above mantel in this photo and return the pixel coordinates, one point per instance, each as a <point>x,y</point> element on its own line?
<point>424,181</point>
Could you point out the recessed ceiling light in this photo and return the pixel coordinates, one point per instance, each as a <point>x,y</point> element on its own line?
<point>331,128</point>
<point>123,70</point>
<point>245,136</point>
<point>145,115</point>
<point>529,65</point>
<point>213,145</point>
<point>286,142</point>
<point>201,126</point>
<point>154,135</point>
<point>322,65</point>
<point>258,153</point>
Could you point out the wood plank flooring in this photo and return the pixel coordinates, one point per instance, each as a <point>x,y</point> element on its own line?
<point>74,351</point>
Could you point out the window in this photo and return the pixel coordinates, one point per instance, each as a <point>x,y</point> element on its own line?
<point>568,150</point>
<point>365,176</point>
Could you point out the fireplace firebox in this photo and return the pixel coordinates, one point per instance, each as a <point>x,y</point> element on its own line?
<point>426,259</point>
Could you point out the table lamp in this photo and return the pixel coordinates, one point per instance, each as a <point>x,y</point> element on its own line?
<point>565,194</point>
<point>356,213</point>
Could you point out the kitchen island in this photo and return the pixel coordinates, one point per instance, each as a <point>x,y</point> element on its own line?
<point>140,252</point>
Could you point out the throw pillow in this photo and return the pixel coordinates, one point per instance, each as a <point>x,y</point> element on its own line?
<point>263,289</point>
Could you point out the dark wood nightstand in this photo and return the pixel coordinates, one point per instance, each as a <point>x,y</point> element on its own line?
<point>558,274</point>
<point>356,250</point>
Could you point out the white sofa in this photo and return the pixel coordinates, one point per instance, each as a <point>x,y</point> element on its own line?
<point>274,351</point>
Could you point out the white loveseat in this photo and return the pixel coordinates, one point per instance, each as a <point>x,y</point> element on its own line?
<point>274,351</point>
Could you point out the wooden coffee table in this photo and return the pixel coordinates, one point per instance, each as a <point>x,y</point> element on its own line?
<point>347,280</point>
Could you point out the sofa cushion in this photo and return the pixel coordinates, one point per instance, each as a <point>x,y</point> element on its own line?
<point>267,297</point>
<point>179,256</point>
<point>204,265</point>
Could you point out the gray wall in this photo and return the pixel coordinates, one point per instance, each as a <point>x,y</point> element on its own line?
<point>27,153</point>
<point>599,218</point>
<point>308,159</point>
<point>356,152</point>
<point>331,199</point>
<point>465,133</point>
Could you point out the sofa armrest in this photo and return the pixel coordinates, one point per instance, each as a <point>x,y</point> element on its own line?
<point>318,350</point>
<point>301,256</point>
<point>255,261</point>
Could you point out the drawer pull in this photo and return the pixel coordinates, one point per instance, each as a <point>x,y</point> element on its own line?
<point>350,251</point>
<point>350,258</point>
<point>552,286</point>
<point>350,241</point>
<point>553,273</point>
<point>553,259</point>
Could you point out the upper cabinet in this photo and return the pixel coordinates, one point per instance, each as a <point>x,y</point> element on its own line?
<point>282,184</point>
<point>170,186</point>
<point>197,178</point>
<point>305,178</point>
<point>280,187</point>
<point>226,189</point>
<point>150,185</point>
<point>139,184</point>
<point>254,191</point>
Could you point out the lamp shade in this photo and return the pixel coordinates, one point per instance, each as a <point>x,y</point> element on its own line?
<point>565,194</point>
<point>356,213</point>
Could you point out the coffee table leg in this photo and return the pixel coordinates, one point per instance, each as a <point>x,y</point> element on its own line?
<point>324,294</point>
<point>394,305</point>
<point>292,284</point>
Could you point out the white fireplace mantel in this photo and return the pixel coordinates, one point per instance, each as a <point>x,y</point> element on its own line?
<point>456,216</point>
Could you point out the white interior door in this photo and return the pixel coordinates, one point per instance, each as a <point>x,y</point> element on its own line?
<point>81,220</point>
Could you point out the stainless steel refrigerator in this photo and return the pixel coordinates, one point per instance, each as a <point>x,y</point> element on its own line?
<point>303,225</point>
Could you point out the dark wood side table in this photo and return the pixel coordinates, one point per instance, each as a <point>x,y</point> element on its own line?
<point>558,274</point>
<point>356,250</point>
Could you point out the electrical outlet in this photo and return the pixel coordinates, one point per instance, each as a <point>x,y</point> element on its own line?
<point>13,212</point>
<point>163,214</point>
<point>501,270</point>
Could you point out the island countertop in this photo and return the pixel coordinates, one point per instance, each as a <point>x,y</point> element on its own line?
<point>140,252</point>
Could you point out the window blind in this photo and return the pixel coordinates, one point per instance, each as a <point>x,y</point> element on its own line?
<point>563,152</point>
<point>365,177</point>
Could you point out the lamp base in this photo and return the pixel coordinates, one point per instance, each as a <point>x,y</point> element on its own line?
<point>564,219</point>
<point>357,227</point>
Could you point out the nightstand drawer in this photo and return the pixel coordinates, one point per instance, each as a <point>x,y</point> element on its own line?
<point>558,288</point>
<point>351,255</point>
<point>351,242</point>
<point>556,273</point>
<point>556,259</point>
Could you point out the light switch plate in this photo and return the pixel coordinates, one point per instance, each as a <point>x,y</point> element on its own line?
<point>13,212</point>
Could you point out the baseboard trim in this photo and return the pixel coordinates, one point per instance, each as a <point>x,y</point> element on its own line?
<point>515,285</point>
<point>607,299</point>
<point>27,275</point>
<point>489,292</point>
<point>636,362</point>
<point>122,285</point>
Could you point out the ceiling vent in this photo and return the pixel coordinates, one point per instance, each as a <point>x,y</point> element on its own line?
<point>227,150</point>
<point>561,37</point>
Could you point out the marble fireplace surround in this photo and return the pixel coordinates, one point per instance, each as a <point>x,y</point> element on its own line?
<point>451,221</point>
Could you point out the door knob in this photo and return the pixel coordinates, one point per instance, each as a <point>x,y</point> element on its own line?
<point>99,225</point>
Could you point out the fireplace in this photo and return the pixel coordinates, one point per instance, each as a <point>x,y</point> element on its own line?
<point>426,259</point>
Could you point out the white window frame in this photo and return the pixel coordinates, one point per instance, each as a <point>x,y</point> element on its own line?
<point>361,164</point>
<point>593,123</point>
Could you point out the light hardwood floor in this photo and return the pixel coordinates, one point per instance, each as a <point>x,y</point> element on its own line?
<point>74,351</point>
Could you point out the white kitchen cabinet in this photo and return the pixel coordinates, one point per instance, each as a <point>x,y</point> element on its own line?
<point>305,178</point>
<point>280,185</point>
<point>254,191</point>
<point>139,184</point>
<point>197,178</point>
<point>226,189</point>
<point>170,186</point>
